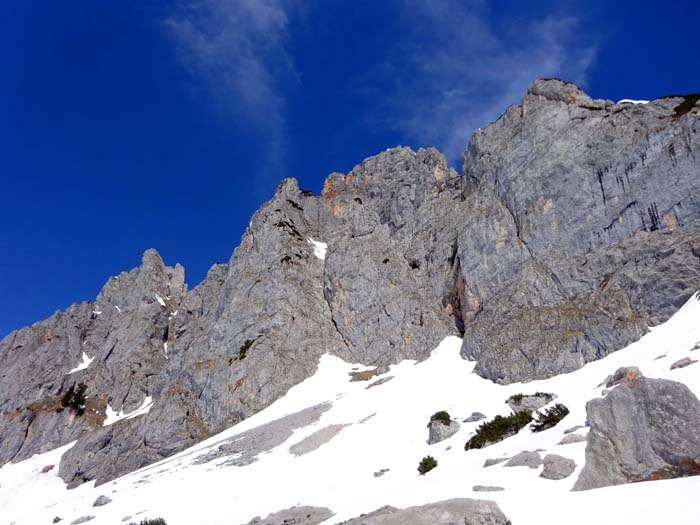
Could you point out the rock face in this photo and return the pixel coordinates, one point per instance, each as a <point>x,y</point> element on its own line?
<point>439,430</point>
<point>452,511</point>
<point>525,458</point>
<point>557,467</point>
<point>527,254</point>
<point>644,429</point>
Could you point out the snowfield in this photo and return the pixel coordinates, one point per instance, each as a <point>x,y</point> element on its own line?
<point>386,428</point>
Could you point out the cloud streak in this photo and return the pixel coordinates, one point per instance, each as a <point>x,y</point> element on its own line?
<point>239,47</point>
<point>459,72</point>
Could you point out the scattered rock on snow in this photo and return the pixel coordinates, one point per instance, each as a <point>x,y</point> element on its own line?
<point>458,510</point>
<point>682,363</point>
<point>645,429</point>
<point>476,416</point>
<point>381,472</point>
<point>315,440</point>
<point>525,458</point>
<point>531,402</point>
<point>82,519</point>
<point>572,438</point>
<point>573,429</point>
<point>304,515</point>
<point>486,488</point>
<point>439,430</point>
<point>659,357</point>
<point>494,461</point>
<point>624,373</point>
<point>557,467</point>
<point>101,501</point>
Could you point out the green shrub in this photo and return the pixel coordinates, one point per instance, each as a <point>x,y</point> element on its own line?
<point>75,397</point>
<point>443,416</point>
<point>426,464</point>
<point>155,521</point>
<point>244,349</point>
<point>515,398</point>
<point>498,429</point>
<point>549,418</point>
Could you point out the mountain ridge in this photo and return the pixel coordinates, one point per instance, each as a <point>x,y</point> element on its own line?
<point>573,227</point>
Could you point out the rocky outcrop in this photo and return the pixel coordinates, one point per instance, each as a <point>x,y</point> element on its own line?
<point>303,515</point>
<point>573,227</point>
<point>529,402</point>
<point>644,429</point>
<point>526,458</point>
<point>462,510</point>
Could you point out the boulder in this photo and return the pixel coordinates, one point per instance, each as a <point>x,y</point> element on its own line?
<point>623,373</point>
<point>682,363</point>
<point>645,429</point>
<point>557,467</point>
<point>530,402</point>
<point>525,458</point>
<point>82,519</point>
<point>476,416</point>
<point>486,488</point>
<point>573,429</point>
<point>448,512</point>
<point>101,501</point>
<point>439,430</point>
<point>494,461</point>
<point>572,438</point>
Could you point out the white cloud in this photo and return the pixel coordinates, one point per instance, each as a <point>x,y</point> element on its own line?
<point>239,47</point>
<point>460,73</point>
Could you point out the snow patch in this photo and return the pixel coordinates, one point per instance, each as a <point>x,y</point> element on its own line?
<point>113,417</point>
<point>160,300</point>
<point>83,364</point>
<point>118,309</point>
<point>630,101</point>
<point>320,248</point>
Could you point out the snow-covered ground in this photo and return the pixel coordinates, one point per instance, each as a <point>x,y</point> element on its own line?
<point>340,474</point>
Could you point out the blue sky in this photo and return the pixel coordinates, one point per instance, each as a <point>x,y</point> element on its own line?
<point>136,124</point>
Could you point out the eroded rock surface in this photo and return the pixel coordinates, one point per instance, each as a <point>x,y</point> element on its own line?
<point>644,429</point>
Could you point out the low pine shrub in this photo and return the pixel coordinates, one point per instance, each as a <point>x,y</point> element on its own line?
<point>426,464</point>
<point>75,397</point>
<point>549,418</point>
<point>156,521</point>
<point>498,429</point>
<point>443,416</point>
<point>244,349</point>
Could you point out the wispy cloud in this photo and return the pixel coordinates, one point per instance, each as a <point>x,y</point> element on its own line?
<point>239,47</point>
<point>459,72</point>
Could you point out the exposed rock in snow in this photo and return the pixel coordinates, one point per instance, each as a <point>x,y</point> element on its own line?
<point>525,458</point>
<point>476,416</point>
<point>439,430</point>
<point>557,467</point>
<point>682,363</point>
<point>101,501</point>
<point>572,438</point>
<point>487,488</point>
<point>315,440</point>
<point>454,511</point>
<point>573,429</point>
<point>302,515</point>
<point>529,402</point>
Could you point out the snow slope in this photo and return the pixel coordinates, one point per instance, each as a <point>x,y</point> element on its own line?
<point>386,430</point>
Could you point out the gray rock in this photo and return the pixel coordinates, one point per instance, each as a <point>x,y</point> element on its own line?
<point>439,430</point>
<point>624,373</point>
<point>645,429</point>
<point>476,416</point>
<point>315,440</point>
<point>101,501</point>
<point>487,488</point>
<point>530,402</point>
<point>303,515</point>
<point>696,346</point>
<point>448,512</point>
<point>57,519</point>
<point>381,472</point>
<point>659,357</point>
<point>557,467</point>
<point>682,363</point>
<point>494,461</point>
<point>525,458</point>
<point>572,438</point>
<point>573,429</point>
<point>82,519</point>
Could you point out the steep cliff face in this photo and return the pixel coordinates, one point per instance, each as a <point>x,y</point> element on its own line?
<point>575,226</point>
